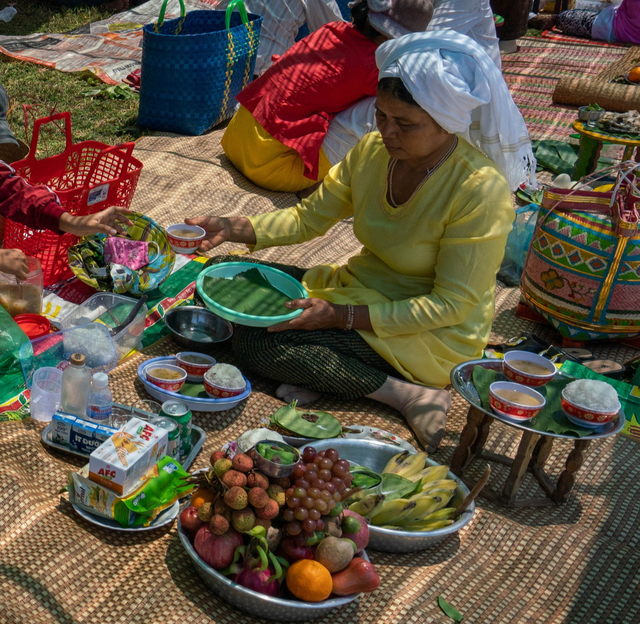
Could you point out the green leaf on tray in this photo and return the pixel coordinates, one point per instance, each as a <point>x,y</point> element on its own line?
<point>364,477</point>
<point>308,424</point>
<point>194,390</point>
<point>247,292</point>
<point>452,612</point>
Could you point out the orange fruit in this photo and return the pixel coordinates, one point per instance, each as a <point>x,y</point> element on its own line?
<point>200,496</point>
<point>309,580</point>
<point>634,74</point>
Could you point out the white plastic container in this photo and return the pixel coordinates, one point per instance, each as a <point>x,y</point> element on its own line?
<point>100,403</point>
<point>76,383</point>
<point>46,392</point>
<point>23,296</point>
<point>111,310</point>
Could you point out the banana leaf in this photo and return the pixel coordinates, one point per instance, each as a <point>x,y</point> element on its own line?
<point>391,485</point>
<point>308,424</point>
<point>364,477</point>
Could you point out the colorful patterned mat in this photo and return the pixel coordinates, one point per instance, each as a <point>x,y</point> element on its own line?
<point>533,72</point>
<point>576,563</point>
<point>559,37</point>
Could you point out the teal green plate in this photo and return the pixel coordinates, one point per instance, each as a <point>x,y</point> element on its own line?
<point>283,282</point>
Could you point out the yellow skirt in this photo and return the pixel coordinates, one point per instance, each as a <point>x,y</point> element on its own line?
<point>263,159</point>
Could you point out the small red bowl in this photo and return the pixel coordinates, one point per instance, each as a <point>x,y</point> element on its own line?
<point>512,373</point>
<point>195,372</point>
<point>220,392</point>
<point>173,385</point>
<point>511,409</point>
<point>589,417</point>
<point>183,244</point>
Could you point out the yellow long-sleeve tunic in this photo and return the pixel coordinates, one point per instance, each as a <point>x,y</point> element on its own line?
<point>426,269</point>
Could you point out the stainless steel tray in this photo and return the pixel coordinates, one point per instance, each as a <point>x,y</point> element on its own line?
<point>462,381</point>
<point>198,437</point>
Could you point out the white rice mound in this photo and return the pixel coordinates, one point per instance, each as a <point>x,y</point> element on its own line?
<point>225,376</point>
<point>592,395</point>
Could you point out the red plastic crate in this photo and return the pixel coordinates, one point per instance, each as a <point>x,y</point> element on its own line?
<point>87,178</point>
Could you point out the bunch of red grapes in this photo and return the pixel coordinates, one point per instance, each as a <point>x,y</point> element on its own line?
<point>321,478</point>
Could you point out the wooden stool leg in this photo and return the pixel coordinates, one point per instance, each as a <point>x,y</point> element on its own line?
<point>483,433</point>
<point>573,464</point>
<point>462,454</point>
<point>519,466</point>
<point>539,458</point>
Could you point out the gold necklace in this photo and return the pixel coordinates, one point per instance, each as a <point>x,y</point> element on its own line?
<point>430,172</point>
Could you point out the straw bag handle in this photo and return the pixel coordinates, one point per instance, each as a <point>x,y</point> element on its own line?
<point>236,4</point>
<point>163,8</point>
<point>128,150</point>
<point>35,137</point>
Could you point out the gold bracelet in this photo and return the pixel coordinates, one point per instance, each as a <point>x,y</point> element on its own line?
<point>350,315</point>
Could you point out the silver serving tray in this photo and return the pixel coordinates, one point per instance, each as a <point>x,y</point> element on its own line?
<point>375,455</point>
<point>165,517</point>
<point>198,437</point>
<point>461,379</point>
<point>254,603</point>
<point>359,432</point>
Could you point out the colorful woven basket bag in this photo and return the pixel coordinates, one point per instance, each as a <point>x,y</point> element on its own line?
<point>582,271</point>
<point>194,66</point>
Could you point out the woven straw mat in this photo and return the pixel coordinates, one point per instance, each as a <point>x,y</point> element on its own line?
<point>578,562</point>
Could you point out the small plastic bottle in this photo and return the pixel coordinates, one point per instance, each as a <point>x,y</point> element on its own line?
<point>100,402</point>
<point>76,383</point>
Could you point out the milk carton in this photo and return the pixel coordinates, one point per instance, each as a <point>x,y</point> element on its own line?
<point>61,424</point>
<point>82,437</point>
<point>122,461</point>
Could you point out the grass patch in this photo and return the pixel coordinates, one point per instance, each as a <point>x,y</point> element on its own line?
<point>96,118</point>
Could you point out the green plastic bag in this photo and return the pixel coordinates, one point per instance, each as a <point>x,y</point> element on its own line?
<point>11,339</point>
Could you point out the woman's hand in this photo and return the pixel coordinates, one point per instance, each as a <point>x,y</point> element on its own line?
<point>14,262</point>
<point>224,229</point>
<point>317,314</point>
<point>109,222</point>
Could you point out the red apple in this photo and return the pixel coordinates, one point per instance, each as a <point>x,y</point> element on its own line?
<point>190,521</point>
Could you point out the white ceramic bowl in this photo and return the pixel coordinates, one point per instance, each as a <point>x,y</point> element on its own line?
<point>184,244</point>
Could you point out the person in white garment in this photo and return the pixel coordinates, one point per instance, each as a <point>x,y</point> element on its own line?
<point>281,22</point>
<point>473,18</point>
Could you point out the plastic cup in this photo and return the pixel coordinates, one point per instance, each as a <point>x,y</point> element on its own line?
<point>46,393</point>
<point>120,417</point>
<point>145,405</point>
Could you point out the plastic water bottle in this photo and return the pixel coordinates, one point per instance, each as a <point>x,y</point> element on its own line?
<point>100,401</point>
<point>76,383</point>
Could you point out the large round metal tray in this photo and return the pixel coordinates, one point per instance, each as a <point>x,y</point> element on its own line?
<point>461,379</point>
<point>257,604</point>
<point>375,455</point>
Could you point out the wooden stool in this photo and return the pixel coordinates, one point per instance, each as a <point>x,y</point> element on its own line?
<point>532,454</point>
<point>591,141</point>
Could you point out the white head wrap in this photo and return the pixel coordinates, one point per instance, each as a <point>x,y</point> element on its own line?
<point>453,79</point>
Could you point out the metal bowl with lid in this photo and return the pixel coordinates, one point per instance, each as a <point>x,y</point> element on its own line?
<point>375,454</point>
<point>197,328</point>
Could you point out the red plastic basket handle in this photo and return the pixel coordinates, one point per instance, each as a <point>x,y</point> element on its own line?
<point>127,148</point>
<point>35,137</point>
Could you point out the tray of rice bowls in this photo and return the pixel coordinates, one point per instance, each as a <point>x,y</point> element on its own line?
<point>249,294</point>
<point>408,499</point>
<point>568,407</point>
<point>196,395</point>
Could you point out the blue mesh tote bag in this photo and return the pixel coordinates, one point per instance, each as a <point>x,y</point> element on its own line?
<point>194,66</point>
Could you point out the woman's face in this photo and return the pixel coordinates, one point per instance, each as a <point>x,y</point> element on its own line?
<point>408,132</point>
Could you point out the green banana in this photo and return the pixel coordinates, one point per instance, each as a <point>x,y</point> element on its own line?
<point>432,473</point>
<point>442,484</point>
<point>424,506</point>
<point>368,504</point>
<point>395,461</point>
<point>441,514</point>
<point>427,526</point>
<point>393,511</point>
<point>411,465</point>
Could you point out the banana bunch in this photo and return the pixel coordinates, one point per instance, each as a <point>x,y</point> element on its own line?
<point>425,510</point>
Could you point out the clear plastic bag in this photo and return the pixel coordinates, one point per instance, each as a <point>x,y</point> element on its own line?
<point>11,339</point>
<point>518,244</point>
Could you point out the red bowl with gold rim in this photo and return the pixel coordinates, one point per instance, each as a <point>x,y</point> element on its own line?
<point>157,376</point>
<point>196,364</point>
<point>185,239</point>
<point>585,416</point>
<point>528,368</point>
<point>510,400</point>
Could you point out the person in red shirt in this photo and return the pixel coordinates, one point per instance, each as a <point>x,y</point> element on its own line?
<point>275,138</point>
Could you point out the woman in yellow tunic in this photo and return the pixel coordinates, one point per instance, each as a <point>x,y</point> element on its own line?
<point>432,214</point>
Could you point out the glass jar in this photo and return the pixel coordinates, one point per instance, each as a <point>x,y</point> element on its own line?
<point>23,296</point>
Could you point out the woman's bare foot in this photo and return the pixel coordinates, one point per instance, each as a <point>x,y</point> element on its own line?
<point>289,393</point>
<point>425,409</point>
